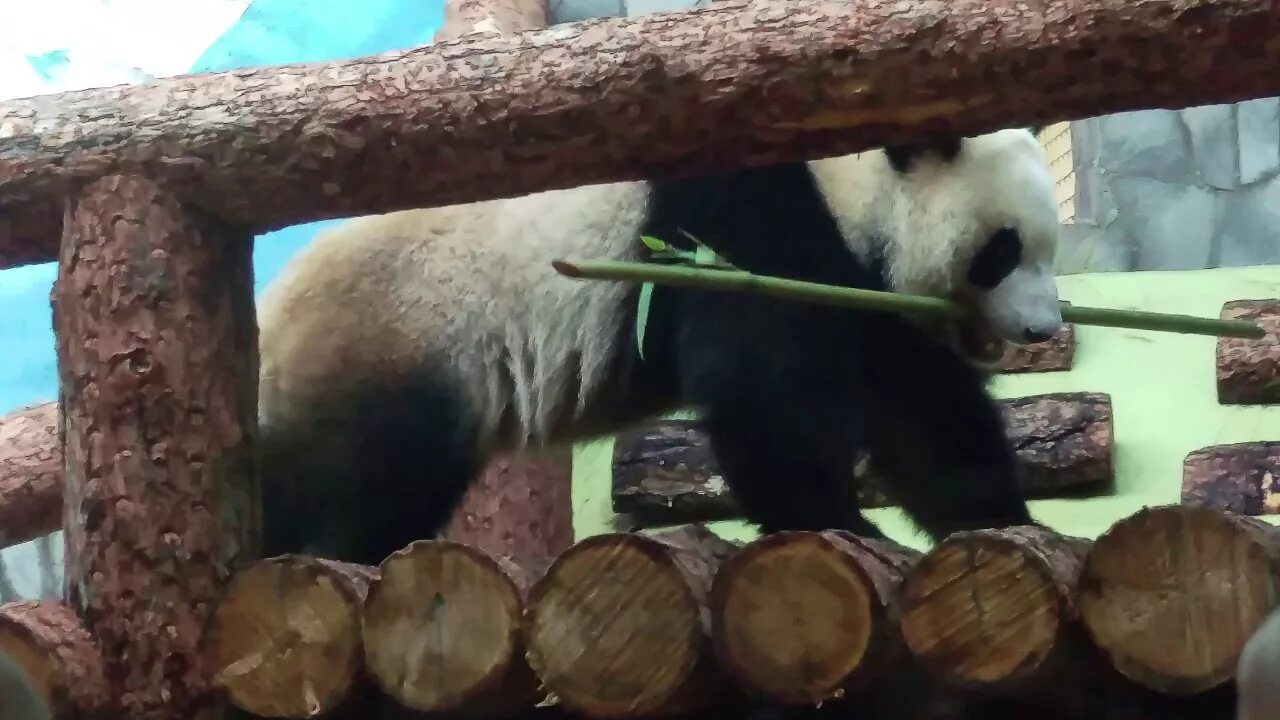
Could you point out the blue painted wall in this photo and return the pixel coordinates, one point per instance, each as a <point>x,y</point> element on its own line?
<point>269,32</point>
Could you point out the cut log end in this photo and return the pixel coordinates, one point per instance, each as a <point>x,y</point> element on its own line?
<point>800,617</point>
<point>988,608</point>
<point>442,631</point>
<point>615,628</point>
<point>1172,593</point>
<point>59,659</point>
<point>286,638</point>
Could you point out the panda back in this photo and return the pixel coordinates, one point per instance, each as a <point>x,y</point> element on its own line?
<point>465,293</point>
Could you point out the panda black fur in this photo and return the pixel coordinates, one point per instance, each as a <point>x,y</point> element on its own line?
<point>400,351</point>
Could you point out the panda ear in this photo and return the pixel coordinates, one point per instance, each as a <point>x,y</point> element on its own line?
<point>946,147</point>
<point>1036,129</point>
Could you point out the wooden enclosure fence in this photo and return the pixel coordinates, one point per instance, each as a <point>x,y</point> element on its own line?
<point>149,198</point>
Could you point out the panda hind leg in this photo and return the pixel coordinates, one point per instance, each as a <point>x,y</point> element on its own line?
<point>378,467</point>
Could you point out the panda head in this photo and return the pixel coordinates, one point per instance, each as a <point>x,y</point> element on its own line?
<point>971,219</point>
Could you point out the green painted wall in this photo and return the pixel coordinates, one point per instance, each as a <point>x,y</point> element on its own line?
<point>1161,386</point>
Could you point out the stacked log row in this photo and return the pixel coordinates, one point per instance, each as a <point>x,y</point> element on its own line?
<point>1147,620</point>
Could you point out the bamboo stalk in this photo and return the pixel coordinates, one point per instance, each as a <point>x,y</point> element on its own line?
<point>818,293</point>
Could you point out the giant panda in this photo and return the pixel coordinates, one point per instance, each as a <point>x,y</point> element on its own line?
<point>400,351</point>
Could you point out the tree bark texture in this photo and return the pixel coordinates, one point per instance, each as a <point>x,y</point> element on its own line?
<point>995,609</point>
<point>441,629</point>
<point>1170,594</point>
<point>500,17</point>
<point>740,82</point>
<point>59,658</point>
<point>618,626</point>
<point>1064,440</point>
<point>521,507</point>
<point>1058,353</point>
<point>285,638</point>
<point>1249,370</point>
<point>804,617</point>
<point>30,474</point>
<point>1240,478</point>
<point>664,473</point>
<point>156,344</point>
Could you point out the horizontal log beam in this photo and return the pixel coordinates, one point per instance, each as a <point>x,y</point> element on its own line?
<point>741,82</point>
<point>665,473</point>
<point>30,474</point>
<point>1063,439</point>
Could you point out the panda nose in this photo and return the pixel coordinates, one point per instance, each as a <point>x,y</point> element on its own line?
<point>1036,336</point>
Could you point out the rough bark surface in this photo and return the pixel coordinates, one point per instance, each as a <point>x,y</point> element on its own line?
<point>461,607</point>
<point>1170,594</point>
<point>156,344</point>
<point>665,473</point>
<point>1249,370</point>
<point>521,507</point>
<point>994,609</point>
<point>30,474</point>
<point>58,656</point>
<point>618,627</point>
<point>736,82</point>
<point>803,617</point>
<point>1055,354</point>
<point>496,17</point>
<point>285,639</point>
<point>1240,478</point>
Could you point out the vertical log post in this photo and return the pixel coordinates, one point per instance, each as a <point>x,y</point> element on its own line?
<point>156,343</point>
<point>520,507</point>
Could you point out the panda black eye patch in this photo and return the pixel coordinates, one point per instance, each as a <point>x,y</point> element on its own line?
<point>996,259</point>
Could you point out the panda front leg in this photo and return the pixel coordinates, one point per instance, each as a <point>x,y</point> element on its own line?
<point>781,433</point>
<point>940,442</point>
<point>783,479</point>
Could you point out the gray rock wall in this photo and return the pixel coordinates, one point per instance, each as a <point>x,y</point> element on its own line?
<point>1176,189</point>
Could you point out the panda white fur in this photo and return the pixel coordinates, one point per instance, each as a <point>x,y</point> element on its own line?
<point>399,351</point>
